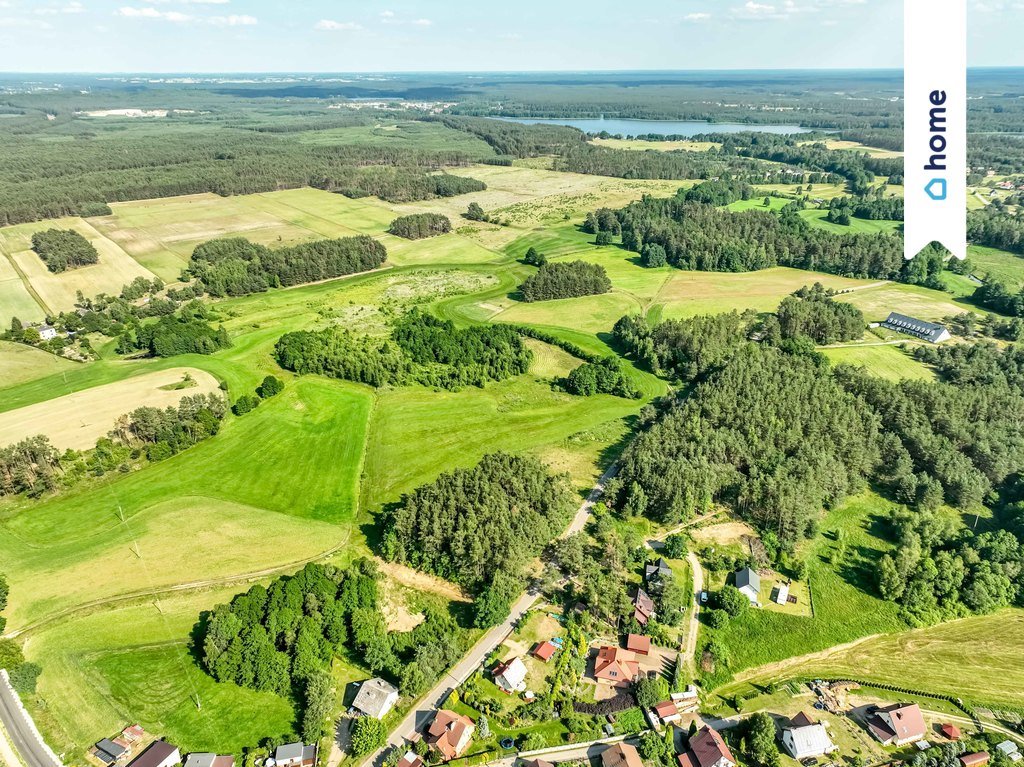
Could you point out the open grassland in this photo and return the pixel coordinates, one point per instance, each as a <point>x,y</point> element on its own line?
<point>892,362</point>
<point>57,292</point>
<point>923,303</point>
<point>77,420</point>
<point>424,136</point>
<point>296,457</point>
<point>977,659</point>
<point>132,663</point>
<point>21,363</point>
<point>841,572</point>
<point>991,262</point>
<point>659,146</point>
<point>15,298</point>
<point>817,218</point>
<point>854,146</point>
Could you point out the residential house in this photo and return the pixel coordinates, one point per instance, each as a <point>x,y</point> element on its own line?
<point>133,733</point>
<point>667,712</point>
<point>1010,749</point>
<point>295,755</point>
<point>898,724</point>
<point>707,749</point>
<point>109,751</point>
<point>159,753</point>
<point>209,760</point>
<point>639,644</point>
<point>544,650</point>
<point>804,738</point>
<point>510,675</point>
<point>686,701</point>
<point>615,666</point>
<point>749,582</point>
<point>643,607</point>
<point>375,698</point>
<point>926,331</point>
<point>976,759</point>
<point>656,572</point>
<point>450,734</point>
<point>410,759</point>
<point>621,755</point>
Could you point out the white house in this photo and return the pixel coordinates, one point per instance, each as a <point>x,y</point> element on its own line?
<point>375,698</point>
<point>809,740</point>
<point>749,582</point>
<point>47,332</point>
<point>781,593</point>
<point>510,676</point>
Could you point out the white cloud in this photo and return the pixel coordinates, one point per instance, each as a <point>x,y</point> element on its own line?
<point>16,21</point>
<point>189,2</point>
<point>234,20</point>
<point>695,17</point>
<point>422,22</point>
<point>387,14</point>
<point>152,13</point>
<point>337,26</point>
<point>53,10</point>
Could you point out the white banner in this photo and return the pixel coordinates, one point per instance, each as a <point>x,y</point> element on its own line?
<point>935,125</point>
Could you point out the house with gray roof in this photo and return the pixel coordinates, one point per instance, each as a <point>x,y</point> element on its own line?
<point>926,331</point>
<point>749,583</point>
<point>375,697</point>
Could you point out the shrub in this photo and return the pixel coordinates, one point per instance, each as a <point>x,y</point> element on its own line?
<point>245,404</point>
<point>368,734</point>
<point>271,386</point>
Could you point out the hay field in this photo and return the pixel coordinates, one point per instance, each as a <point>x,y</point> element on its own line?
<point>877,302</point>
<point>57,292</point>
<point>77,420</point>
<point>21,363</point>
<point>15,299</point>
<point>891,362</point>
<point>660,146</point>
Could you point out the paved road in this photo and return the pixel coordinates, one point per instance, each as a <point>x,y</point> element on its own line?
<point>418,717</point>
<point>21,733</point>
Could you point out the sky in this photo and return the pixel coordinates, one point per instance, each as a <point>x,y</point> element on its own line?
<point>475,35</point>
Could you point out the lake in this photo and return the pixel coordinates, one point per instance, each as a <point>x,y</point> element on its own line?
<point>627,127</point>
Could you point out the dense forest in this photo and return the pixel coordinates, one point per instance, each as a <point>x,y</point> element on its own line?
<point>842,209</point>
<point>813,313</point>
<point>419,225</point>
<point>565,279</point>
<point>706,238</point>
<point>63,249</point>
<point>422,349</point>
<point>34,466</point>
<point>234,266</point>
<point>183,334</point>
<point>605,376</point>
<point>281,638</point>
<point>996,229</point>
<point>479,527</point>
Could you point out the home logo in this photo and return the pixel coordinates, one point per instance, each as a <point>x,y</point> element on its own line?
<point>935,126</point>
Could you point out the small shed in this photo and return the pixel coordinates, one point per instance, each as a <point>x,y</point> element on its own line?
<point>950,731</point>
<point>975,759</point>
<point>639,644</point>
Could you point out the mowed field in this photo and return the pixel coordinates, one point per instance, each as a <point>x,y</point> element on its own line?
<point>78,419</point>
<point>976,658</point>
<point>57,292</point>
<point>890,361</point>
<point>21,363</point>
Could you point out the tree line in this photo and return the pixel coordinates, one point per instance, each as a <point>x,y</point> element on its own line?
<point>34,466</point>
<point>812,312</point>
<point>63,249</point>
<point>565,279</point>
<point>479,527</point>
<point>422,349</point>
<point>21,673</point>
<point>234,266</point>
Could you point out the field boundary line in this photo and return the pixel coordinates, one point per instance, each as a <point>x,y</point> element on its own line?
<point>28,283</point>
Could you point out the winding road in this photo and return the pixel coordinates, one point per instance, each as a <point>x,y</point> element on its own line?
<point>21,732</point>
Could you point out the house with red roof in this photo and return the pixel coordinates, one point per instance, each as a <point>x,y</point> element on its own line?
<point>615,666</point>
<point>707,749</point>
<point>450,734</point>
<point>544,650</point>
<point>898,724</point>
<point>639,644</point>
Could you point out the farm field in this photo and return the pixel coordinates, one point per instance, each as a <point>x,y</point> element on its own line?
<point>22,363</point>
<point>77,420</point>
<point>854,146</point>
<point>891,362</point>
<point>976,658</point>
<point>991,262</point>
<point>660,146</point>
<point>57,292</point>
<point>925,304</point>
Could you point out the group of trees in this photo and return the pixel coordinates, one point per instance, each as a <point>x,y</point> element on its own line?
<point>420,225</point>
<point>995,296</point>
<point>63,249</point>
<point>478,527</point>
<point>34,466</point>
<point>234,266</point>
<point>533,257</point>
<point>185,333</point>
<point>812,312</point>
<point>421,349</point>
<point>842,209</point>
<point>606,376</point>
<point>705,237</point>
<point>22,674</point>
<point>271,386</point>
<point>941,570</point>
<point>565,279</point>
<point>996,229</point>
<point>771,433</point>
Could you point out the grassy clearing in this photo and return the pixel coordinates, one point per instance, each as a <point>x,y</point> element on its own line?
<point>550,361</point>
<point>660,146</point>
<point>841,578</point>
<point>923,303</point>
<point>891,362</point>
<point>22,363</point>
<point>691,293</point>
<point>132,663</point>
<point>77,420</point>
<point>424,136</point>
<point>594,314</point>
<point>817,218</point>
<point>15,298</point>
<point>975,658</point>
<point>991,262</point>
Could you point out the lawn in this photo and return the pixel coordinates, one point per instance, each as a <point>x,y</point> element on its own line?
<point>892,362</point>
<point>975,658</point>
<point>843,594</point>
